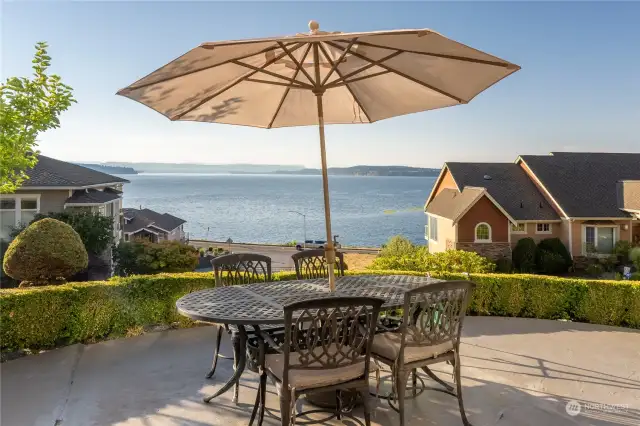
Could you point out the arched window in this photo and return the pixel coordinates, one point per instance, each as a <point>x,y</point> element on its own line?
<point>483,233</point>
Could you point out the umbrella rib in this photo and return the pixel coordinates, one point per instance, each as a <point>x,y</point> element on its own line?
<point>437,55</point>
<point>299,65</point>
<point>286,92</point>
<point>273,74</point>
<point>355,99</point>
<point>408,77</point>
<point>275,83</point>
<point>334,66</point>
<point>265,50</point>
<point>364,77</point>
<point>366,67</point>
<point>230,85</point>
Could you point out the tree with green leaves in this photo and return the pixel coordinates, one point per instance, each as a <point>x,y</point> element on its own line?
<point>28,107</point>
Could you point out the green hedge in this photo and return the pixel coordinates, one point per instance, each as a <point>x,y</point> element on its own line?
<point>45,317</point>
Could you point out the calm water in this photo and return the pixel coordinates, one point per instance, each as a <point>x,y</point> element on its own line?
<point>255,208</point>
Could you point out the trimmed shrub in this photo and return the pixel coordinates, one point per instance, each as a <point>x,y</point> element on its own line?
<point>504,265</point>
<point>550,263</point>
<point>95,230</point>
<point>458,261</point>
<point>634,257</point>
<point>595,269</point>
<point>421,260</point>
<point>621,250</point>
<point>553,245</point>
<point>524,255</point>
<point>45,317</point>
<point>145,257</point>
<point>46,252</point>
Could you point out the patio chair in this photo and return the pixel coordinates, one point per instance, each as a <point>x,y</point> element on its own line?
<point>327,348</point>
<point>234,269</point>
<point>313,264</point>
<point>429,334</point>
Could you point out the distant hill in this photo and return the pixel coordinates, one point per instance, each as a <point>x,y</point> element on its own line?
<point>205,168</point>
<point>368,171</point>
<point>112,170</point>
<point>134,168</point>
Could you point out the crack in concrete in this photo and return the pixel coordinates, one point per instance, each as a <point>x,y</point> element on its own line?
<point>62,408</point>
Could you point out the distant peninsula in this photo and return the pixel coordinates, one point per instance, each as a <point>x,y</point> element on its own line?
<point>368,171</point>
<point>112,170</point>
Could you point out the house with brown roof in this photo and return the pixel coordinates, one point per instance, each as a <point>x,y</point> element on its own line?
<point>588,200</point>
<point>149,224</point>
<point>54,186</point>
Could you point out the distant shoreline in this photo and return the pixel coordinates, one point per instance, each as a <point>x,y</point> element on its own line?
<point>248,169</point>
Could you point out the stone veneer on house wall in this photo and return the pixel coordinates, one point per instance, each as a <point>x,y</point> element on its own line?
<point>491,250</point>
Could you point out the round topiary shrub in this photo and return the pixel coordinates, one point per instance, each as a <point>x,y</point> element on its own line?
<point>46,252</point>
<point>524,255</point>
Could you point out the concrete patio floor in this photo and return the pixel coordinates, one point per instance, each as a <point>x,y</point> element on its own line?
<point>515,372</point>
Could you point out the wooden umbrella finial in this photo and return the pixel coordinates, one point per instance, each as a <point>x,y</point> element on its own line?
<point>313,26</point>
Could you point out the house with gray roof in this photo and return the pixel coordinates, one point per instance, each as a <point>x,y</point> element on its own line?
<point>146,223</point>
<point>588,200</point>
<point>54,186</point>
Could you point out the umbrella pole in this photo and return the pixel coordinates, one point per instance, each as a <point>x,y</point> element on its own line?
<point>330,253</point>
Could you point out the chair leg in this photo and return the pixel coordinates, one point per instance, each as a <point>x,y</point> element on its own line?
<point>401,386</point>
<point>414,382</point>
<point>456,369</point>
<point>235,340</point>
<point>263,402</point>
<point>216,350</point>
<point>285,407</point>
<point>338,405</point>
<point>257,404</point>
<point>366,401</point>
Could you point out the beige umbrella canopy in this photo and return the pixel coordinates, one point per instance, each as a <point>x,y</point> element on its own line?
<point>286,81</point>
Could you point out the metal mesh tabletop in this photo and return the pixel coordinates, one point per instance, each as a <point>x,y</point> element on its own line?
<point>263,303</point>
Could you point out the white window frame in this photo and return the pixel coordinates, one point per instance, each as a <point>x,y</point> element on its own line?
<point>616,238</point>
<point>18,200</point>
<point>518,232</point>
<point>432,218</point>
<point>550,231</point>
<point>475,233</point>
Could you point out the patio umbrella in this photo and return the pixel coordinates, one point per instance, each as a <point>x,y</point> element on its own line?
<point>316,79</point>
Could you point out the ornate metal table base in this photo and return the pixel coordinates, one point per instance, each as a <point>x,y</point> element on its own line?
<point>239,344</point>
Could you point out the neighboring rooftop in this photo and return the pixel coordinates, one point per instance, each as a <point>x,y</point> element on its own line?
<point>585,183</point>
<point>49,172</point>
<point>138,219</point>
<point>508,184</point>
<point>451,204</point>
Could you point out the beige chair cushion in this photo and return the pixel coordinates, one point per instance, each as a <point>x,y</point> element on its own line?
<point>306,378</point>
<point>387,345</point>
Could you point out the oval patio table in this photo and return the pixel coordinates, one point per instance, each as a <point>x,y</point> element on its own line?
<point>262,303</point>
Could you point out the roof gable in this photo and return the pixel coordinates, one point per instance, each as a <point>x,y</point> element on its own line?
<point>584,184</point>
<point>508,186</point>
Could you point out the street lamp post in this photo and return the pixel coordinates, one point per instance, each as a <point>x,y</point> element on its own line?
<point>304,221</point>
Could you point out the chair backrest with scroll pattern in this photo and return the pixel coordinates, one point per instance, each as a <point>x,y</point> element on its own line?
<point>313,264</point>
<point>433,314</point>
<point>329,333</point>
<point>241,268</point>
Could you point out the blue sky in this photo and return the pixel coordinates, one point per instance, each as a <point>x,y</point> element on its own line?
<point>578,88</point>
